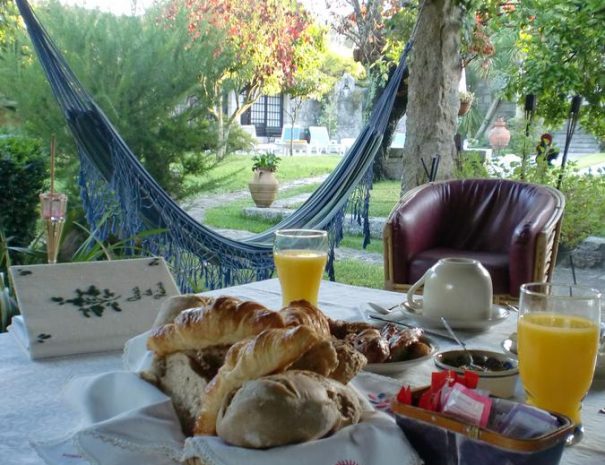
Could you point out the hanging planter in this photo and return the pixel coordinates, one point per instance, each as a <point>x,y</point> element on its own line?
<point>466,100</point>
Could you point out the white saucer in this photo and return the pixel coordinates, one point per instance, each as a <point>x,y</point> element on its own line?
<point>395,368</point>
<point>498,314</point>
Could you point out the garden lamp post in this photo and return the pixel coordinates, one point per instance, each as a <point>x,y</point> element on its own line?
<point>572,121</point>
<point>530,109</point>
<point>53,206</point>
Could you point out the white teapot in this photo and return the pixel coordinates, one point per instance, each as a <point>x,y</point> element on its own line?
<point>457,288</point>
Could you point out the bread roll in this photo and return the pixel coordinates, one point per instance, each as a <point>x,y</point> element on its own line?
<point>226,321</point>
<point>297,406</point>
<point>321,358</point>
<point>174,305</point>
<point>350,361</point>
<point>271,351</point>
<point>301,312</point>
<point>176,376</point>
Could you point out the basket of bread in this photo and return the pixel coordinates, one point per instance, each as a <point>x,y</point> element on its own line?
<point>259,378</point>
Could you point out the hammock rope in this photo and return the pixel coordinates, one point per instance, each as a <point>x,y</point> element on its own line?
<point>120,198</point>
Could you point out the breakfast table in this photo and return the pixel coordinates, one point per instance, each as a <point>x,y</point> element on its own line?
<point>33,408</point>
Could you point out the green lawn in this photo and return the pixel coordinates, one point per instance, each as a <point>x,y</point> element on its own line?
<point>589,160</point>
<point>234,173</point>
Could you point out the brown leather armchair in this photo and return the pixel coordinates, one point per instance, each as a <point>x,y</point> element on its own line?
<point>511,227</point>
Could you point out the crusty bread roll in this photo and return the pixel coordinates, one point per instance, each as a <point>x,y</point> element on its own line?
<point>271,351</point>
<point>226,321</point>
<point>301,312</point>
<point>350,361</point>
<point>174,305</point>
<point>321,358</point>
<point>286,408</point>
<point>176,376</point>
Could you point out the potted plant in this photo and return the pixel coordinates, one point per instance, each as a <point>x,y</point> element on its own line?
<point>466,100</point>
<point>263,186</point>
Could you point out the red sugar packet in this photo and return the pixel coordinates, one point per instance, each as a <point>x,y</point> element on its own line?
<point>431,398</point>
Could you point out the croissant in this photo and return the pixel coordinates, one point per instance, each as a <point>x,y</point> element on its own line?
<point>174,305</point>
<point>271,351</point>
<point>301,312</point>
<point>226,321</point>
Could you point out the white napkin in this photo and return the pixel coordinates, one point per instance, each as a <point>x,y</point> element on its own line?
<point>126,421</point>
<point>76,308</point>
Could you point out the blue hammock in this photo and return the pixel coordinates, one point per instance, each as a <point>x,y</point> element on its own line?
<point>120,198</point>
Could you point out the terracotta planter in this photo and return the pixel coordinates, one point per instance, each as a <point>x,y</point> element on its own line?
<point>464,108</point>
<point>263,188</point>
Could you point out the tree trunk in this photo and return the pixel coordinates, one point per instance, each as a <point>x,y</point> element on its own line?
<point>221,143</point>
<point>433,104</point>
<point>399,109</point>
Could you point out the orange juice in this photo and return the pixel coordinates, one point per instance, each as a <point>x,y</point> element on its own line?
<point>557,355</point>
<point>300,273</point>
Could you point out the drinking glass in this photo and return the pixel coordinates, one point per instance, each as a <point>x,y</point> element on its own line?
<point>300,257</point>
<point>557,343</point>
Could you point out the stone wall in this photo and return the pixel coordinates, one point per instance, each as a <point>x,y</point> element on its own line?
<point>347,99</point>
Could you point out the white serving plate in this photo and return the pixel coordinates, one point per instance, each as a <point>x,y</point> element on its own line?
<point>498,314</point>
<point>395,368</point>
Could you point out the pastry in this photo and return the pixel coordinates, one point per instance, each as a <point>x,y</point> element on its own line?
<point>371,344</point>
<point>301,312</point>
<point>341,329</point>
<point>297,406</point>
<point>226,321</point>
<point>172,306</point>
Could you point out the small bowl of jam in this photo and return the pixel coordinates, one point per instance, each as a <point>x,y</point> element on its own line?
<point>498,373</point>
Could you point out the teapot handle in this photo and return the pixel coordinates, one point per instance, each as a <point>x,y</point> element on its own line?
<point>415,304</point>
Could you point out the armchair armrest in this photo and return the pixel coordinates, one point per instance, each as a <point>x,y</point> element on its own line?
<point>530,245</point>
<point>413,226</point>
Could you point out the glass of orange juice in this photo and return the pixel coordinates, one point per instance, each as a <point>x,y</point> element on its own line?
<point>557,344</point>
<point>300,257</point>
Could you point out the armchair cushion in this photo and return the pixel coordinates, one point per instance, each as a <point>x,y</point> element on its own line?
<point>493,220</point>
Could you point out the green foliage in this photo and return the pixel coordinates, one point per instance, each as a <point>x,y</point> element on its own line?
<point>584,213</point>
<point>23,170</point>
<point>265,161</point>
<point>8,304</point>
<point>584,193</point>
<point>562,44</point>
<point>471,165</point>
<point>335,65</point>
<point>139,72</point>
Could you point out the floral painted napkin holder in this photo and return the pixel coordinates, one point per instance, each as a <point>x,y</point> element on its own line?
<point>75,308</point>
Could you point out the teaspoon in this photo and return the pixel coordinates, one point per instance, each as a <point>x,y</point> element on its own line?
<point>472,363</point>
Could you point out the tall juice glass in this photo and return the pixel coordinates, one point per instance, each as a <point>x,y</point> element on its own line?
<point>557,343</point>
<point>300,258</point>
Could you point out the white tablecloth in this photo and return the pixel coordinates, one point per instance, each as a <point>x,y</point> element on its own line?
<point>31,404</point>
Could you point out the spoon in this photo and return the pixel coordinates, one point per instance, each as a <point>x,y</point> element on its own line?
<point>382,310</point>
<point>472,363</point>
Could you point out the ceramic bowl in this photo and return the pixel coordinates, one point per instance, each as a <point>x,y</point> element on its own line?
<point>396,368</point>
<point>499,378</point>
